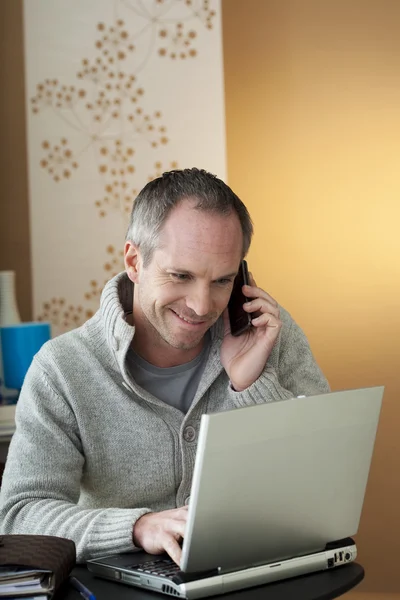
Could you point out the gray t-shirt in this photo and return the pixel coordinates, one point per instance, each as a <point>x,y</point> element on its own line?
<point>176,386</point>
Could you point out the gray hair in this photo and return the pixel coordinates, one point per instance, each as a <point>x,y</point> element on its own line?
<point>156,200</point>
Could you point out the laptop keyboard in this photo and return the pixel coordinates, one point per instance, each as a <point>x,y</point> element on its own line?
<point>162,567</point>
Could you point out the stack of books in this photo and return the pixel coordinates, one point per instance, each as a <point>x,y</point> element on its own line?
<point>18,582</point>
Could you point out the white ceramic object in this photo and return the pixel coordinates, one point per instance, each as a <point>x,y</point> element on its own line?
<point>9,315</point>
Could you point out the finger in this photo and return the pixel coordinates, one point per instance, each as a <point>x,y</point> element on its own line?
<point>252,280</point>
<point>173,549</point>
<point>177,512</point>
<point>177,527</point>
<point>173,514</point>
<point>267,320</point>
<point>256,292</point>
<point>180,512</point>
<point>263,306</point>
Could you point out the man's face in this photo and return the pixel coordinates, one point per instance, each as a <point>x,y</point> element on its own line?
<point>187,285</point>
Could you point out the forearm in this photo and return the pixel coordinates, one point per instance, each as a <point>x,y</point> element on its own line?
<point>291,371</point>
<point>41,491</point>
<point>265,389</point>
<point>96,532</point>
<point>40,495</point>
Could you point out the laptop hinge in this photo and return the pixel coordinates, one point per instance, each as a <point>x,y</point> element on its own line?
<point>182,577</point>
<point>340,543</point>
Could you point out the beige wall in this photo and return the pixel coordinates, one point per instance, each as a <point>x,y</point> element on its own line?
<point>313,142</point>
<point>14,217</point>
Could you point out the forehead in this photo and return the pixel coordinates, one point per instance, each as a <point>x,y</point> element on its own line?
<point>197,233</point>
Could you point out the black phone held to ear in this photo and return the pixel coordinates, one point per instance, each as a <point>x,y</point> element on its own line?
<point>239,319</point>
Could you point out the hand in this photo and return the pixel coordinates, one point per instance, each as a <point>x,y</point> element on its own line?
<point>160,532</point>
<point>244,357</point>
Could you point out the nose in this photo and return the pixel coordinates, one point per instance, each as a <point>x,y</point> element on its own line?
<point>199,300</point>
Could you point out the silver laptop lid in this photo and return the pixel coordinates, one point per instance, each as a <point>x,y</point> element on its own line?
<point>279,479</point>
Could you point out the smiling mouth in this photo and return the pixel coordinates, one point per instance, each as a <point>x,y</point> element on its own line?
<point>186,320</point>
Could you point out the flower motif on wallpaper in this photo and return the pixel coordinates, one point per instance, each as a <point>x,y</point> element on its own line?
<point>114,264</point>
<point>115,97</point>
<point>116,165</point>
<point>177,44</point>
<point>110,98</point>
<point>114,42</point>
<point>119,195</point>
<point>113,88</point>
<point>159,169</point>
<point>109,108</point>
<point>59,161</point>
<point>51,94</point>
<point>115,92</point>
<point>160,11</point>
<point>145,125</point>
<point>109,90</point>
<point>65,316</point>
<point>202,11</point>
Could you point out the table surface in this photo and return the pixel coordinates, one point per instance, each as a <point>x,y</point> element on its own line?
<point>318,586</point>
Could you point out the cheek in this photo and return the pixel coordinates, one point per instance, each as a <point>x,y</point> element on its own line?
<point>221,299</point>
<point>169,294</point>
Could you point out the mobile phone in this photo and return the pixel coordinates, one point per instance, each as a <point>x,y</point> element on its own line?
<point>239,319</point>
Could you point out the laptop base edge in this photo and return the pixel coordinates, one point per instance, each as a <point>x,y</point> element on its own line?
<point>230,582</point>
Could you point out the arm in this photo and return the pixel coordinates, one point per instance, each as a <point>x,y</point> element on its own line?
<point>41,482</point>
<point>272,360</point>
<point>291,371</point>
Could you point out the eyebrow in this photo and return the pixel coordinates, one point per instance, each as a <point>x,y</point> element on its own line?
<point>185,272</point>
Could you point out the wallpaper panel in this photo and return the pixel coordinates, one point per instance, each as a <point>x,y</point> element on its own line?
<point>118,91</point>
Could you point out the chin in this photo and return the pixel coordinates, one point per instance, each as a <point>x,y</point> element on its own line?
<point>184,344</point>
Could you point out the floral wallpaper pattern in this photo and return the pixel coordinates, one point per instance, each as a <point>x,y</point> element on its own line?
<point>99,132</point>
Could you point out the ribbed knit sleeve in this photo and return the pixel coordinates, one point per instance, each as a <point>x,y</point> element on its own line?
<point>41,486</point>
<point>297,373</point>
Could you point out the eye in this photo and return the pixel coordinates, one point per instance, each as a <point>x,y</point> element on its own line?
<point>180,276</point>
<point>223,281</point>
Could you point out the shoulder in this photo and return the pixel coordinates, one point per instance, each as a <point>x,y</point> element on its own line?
<point>292,338</point>
<point>67,343</point>
<point>75,352</point>
<point>288,323</point>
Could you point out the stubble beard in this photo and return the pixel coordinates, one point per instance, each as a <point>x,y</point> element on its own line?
<point>161,332</point>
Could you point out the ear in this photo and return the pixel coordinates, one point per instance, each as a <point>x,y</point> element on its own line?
<point>133,261</point>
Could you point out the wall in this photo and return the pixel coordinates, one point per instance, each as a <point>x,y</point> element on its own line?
<point>312,114</point>
<point>117,91</point>
<point>14,211</point>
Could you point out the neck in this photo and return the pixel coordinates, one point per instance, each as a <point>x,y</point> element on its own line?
<point>158,352</point>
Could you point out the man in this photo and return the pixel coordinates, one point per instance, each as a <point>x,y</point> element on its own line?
<point>109,413</point>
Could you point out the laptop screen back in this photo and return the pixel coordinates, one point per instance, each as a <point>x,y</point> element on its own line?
<point>280,479</point>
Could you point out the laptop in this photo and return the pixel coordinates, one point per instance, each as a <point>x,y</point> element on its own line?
<point>277,492</point>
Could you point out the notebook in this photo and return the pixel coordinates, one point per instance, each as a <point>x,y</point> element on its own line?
<point>277,492</point>
<point>34,565</point>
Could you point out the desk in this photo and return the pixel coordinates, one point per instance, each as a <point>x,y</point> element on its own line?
<point>324,585</point>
